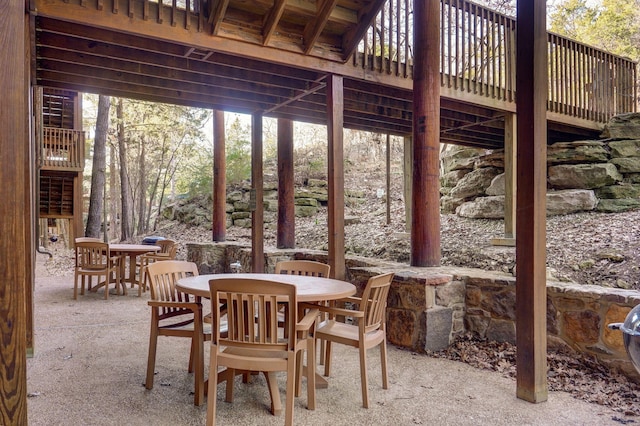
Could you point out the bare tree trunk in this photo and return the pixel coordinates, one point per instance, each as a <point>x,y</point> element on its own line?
<point>125,219</point>
<point>143,222</point>
<point>99,168</point>
<point>113,195</point>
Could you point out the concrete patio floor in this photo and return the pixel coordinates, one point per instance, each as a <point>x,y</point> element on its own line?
<point>90,362</point>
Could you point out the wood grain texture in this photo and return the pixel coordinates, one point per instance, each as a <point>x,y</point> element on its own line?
<point>257,189</point>
<point>286,237</point>
<point>15,210</point>
<point>219,226</point>
<point>425,211</point>
<point>335,129</point>
<point>531,292</point>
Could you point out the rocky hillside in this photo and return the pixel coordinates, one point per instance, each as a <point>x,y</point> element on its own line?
<point>589,246</point>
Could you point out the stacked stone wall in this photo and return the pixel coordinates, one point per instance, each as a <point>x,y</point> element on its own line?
<point>593,175</point>
<point>307,200</point>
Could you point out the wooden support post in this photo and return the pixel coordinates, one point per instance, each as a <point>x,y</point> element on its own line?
<point>219,217</point>
<point>16,226</point>
<point>425,223</point>
<point>531,290</point>
<point>335,109</point>
<point>76,228</point>
<point>408,181</point>
<point>286,208</point>
<point>509,183</point>
<point>388,161</point>
<point>256,204</point>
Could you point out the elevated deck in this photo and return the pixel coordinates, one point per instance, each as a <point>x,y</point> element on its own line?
<point>273,58</point>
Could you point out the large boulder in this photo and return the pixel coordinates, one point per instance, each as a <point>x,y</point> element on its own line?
<point>627,165</point>
<point>618,205</point>
<point>494,159</point>
<point>626,148</point>
<point>460,158</point>
<point>570,201</point>
<point>474,183</point>
<point>497,186</point>
<point>451,179</point>
<point>577,152</point>
<point>583,176</point>
<point>623,126</point>
<point>621,190</point>
<point>483,208</point>
<point>449,204</point>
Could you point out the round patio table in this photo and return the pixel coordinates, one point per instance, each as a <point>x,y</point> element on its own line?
<point>132,251</point>
<point>309,289</point>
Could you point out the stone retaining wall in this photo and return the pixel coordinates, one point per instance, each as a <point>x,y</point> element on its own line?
<point>429,307</point>
<point>307,200</point>
<point>601,175</point>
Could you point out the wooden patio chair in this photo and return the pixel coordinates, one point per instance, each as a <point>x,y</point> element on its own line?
<point>77,254</point>
<point>168,251</point>
<point>173,313</point>
<point>93,259</point>
<point>370,330</point>
<point>307,268</point>
<point>252,342</point>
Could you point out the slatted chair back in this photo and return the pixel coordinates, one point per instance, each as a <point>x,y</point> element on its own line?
<point>303,267</point>
<point>374,301</point>
<point>252,307</point>
<point>162,278</point>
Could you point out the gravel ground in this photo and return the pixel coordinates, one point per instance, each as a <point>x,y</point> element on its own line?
<point>590,248</point>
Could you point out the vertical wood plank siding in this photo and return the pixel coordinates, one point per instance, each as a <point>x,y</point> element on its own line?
<point>477,55</point>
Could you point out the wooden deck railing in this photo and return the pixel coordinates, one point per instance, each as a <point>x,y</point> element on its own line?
<point>589,83</point>
<point>62,149</point>
<point>477,57</point>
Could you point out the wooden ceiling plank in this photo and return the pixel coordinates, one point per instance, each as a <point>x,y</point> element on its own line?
<point>125,89</point>
<point>157,83</point>
<point>124,42</point>
<point>180,81</point>
<point>90,52</point>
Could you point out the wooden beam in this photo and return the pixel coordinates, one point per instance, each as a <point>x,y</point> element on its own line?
<point>353,37</point>
<point>335,214</point>
<point>286,209</point>
<point>315,27</point>
<point>407,162</point>
<point>272,20</point>
<point>531,291</point>
<point>217,15</point>
<point>425,223</point>
<point>256,200</point>
<point>219,226</point>
<point>509,237</point>
<point>16,244</point>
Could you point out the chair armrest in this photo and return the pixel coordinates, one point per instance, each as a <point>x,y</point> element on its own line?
<point>308,320</point>
<point>193,306</point>
<point>351,299</point>
<point>333,310</point>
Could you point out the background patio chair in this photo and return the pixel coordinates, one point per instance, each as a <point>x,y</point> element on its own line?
<point>93,259</point>
<point>370,330</point>
<point>252,342</point>
<point>173,313</point>
<point>168,250</point>
<point>308,268</point>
